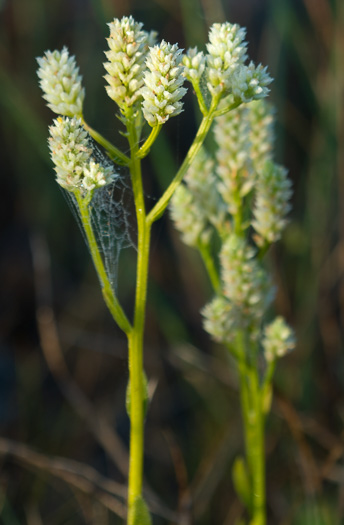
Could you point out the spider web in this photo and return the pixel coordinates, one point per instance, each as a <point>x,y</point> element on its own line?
<point>111,216</point>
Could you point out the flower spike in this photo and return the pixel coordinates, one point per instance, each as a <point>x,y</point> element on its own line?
<point>163,91</point>
<point>61,83</point>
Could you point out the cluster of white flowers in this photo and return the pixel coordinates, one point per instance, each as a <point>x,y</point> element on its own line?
<point>261,122</point>
<point>137,72</point>
<point>201,181</point>
<point>273,191</point>
<point>226,52</point>
<point>194,65</point>
<point>129,46</point>
<point>197,204</point>
<point>250,82</point>
<point>244,137</point>
<point>61,83</point>
<point>245,282</point>
<point>221,320</point>
<point>143,75</point>
<point>246,293</point>
<point>188,218</point>
<point>71,152</point>
<point>234,166</point>
<point>163,79</point>
<point>278,339</point>
<point>223,67</point>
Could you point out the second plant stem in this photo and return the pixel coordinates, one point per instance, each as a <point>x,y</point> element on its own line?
<point>253,421</point>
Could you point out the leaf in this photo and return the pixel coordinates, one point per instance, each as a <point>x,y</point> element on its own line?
<point>140,514</point>
<point>241,481</point>
<point>145,396</point>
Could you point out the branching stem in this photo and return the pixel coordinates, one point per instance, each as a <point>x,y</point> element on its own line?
<point>114,153</point>
<point>202,132</point>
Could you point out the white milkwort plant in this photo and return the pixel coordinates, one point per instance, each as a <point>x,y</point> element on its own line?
<point>146,80</point>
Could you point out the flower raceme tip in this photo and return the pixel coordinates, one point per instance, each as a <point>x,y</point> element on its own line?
<point>128,48</point>
<point>163,81</point>
<point>73,155</point>
<point>61,83</point>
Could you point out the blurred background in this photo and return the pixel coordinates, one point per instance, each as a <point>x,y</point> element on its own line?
<point>63,364</point>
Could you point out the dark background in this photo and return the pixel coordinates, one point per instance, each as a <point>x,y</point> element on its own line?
<point>63,367</point>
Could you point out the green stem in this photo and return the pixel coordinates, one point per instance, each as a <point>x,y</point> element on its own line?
<point>253,419</point>
<point>209,263</point>
<point>114,153</point>
<point>136,337</point>
<point>162,203</point>
<point>257,455</point>
<point>108,293</point>
<point>237,102</point>
<point>200,98</point>
<point>238,216</point>
<point>144,150</point>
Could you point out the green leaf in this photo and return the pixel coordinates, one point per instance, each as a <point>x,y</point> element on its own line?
<point>140,514</point>
<point>241,481</point>
<point>145,396</point>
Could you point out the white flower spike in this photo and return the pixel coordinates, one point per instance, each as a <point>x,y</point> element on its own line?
<point>129,45</point>
<point>194,64</point>
<point>71,152</point>
<point>250,82</point>
<point>226,51</point>
<point>273,192</point>
<point>61,83</point>
<point>278,339</point>
<point>163,91</point>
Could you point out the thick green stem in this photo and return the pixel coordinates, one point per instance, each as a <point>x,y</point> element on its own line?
<point>108,293</point>
<point>136,337</point>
